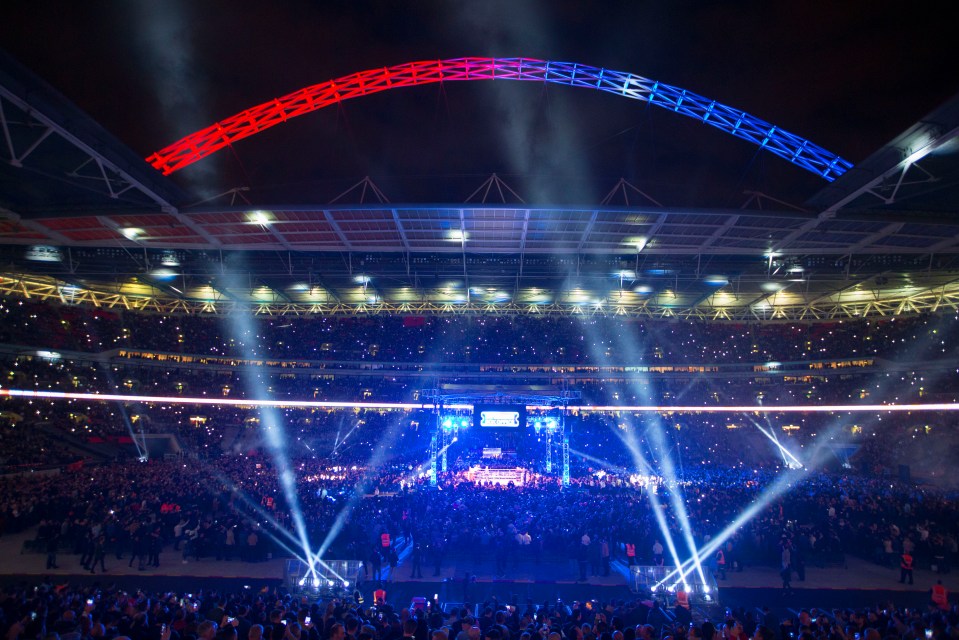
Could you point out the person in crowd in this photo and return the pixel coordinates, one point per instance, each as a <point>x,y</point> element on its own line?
<point>905,568</point>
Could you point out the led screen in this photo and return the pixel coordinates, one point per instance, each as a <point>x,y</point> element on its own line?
<point>499,416</point>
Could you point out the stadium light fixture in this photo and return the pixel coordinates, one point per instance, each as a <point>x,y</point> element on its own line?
<point>260,217</point>
<point>921,146</point>
<point>163,274</point>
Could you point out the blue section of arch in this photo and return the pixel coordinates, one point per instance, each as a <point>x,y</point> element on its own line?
<point>795,149</point>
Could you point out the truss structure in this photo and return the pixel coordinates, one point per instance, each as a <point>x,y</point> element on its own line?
<point>442,438</point>
<point>942,298</point>
<point>49,141</point>
<point>739,124</point>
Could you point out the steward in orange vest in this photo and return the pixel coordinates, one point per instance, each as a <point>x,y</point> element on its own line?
<point>940,596</point>
<point>905,568</point>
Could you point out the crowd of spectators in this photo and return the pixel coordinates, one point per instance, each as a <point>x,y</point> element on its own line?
<point>477,339</point>
<point>217,508</point>
<point>93,511</point>
<point>330,358</point>
<point>22,448</point>
<point>42,433</point>
<point>68,612</point>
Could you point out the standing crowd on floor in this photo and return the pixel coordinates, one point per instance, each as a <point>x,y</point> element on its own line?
<point>48,611</point>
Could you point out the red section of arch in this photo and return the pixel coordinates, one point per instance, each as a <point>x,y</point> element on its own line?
<point>204,142</point>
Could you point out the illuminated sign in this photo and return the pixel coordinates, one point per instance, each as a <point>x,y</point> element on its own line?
<point>500,416</point>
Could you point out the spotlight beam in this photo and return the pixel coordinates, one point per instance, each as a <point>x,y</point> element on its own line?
<point>272,426</point>
<point>341,441</point>
<point>674,498</point>
<point>277,528</point>
<point>140,442</point>
<point>684,520</point>
<point>257,509</point>
<point>772,438</point>
<point>658,513</point>
<point>600,461</point>
<point>378,454</point>
<point>780,486</point>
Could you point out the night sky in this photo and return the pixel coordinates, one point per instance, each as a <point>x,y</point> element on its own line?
<point>848,76</point>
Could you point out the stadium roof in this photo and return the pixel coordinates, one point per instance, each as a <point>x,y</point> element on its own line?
<point>86,219</point>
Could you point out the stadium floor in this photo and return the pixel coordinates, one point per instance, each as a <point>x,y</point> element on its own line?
<point>859,583</point>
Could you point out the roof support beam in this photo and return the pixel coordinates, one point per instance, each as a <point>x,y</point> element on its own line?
<point>400,229</point>
<point>587,230</point>
<point>522,241</point>
<point>116,172</point>
<point>888,230</point>
<point>32,225</point>
<point>660,221</point>
<point>188,222</point>
<point>911,156</point>
<point>807,226</point>
<point>336,228</point>
<point>463,245</point>
<point>720,231</point>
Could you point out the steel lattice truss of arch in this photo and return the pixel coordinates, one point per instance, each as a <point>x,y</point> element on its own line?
<point>793,148</point>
